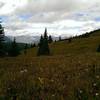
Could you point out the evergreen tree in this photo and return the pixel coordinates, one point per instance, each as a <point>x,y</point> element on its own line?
<point>98,49</point>
<point>33,45</point>
<point>45,34</point>
<point>50,39</point>
<point>60,38</point>
<point>25,48</point>
<point>40,49</point>
<point>14,51</point>
<point>43,45</point>
<point>1,40</point>
<point>69,40</point>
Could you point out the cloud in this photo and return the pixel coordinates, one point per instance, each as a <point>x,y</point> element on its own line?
<point>10,6</point>
<point>61,17</point>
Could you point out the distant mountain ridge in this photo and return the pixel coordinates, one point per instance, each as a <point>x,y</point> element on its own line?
<point>35,39</point>
<point>26,39</point>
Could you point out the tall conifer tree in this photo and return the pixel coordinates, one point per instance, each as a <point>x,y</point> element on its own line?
<point>43,45</point>
<point>1,40</point>
<point>14,51</point>
<point>50,39</point>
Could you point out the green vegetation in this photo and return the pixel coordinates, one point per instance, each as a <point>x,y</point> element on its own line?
<point>1,40</point>
<point>10,48</point>
<point>14,50</point>
<point>98,49</point>
<point>50,40</point>
<point>71,73</point>
<point>43,45</point>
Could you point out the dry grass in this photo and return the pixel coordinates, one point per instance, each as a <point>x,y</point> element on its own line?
<point>56,77</point>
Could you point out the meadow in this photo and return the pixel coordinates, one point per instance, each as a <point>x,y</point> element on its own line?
<point>71,72</point>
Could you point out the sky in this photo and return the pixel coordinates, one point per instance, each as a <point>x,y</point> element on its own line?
<point>60,17</point>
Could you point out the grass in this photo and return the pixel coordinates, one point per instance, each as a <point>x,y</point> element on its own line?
<point>72,72</point>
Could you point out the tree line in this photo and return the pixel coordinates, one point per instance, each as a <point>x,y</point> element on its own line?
<point>8,49</point>
<point>12,48</point>
<point>43,45</point>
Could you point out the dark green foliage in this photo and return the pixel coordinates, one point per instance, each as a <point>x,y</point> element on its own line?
<point>33,45</point>
<point>43,45</point>
<point>25,48</point>
<point>14,50</point>
<point>1,33</point>
<point>1,41</point>
<point>45,34</point>
<point>98,49</point>
<point>69,40</point>
<point>60,38</point>
<point>86,35</point>
<point>50,39</point>
<point>55,40</point>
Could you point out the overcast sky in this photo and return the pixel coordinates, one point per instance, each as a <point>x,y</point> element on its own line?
<point>61,17</point>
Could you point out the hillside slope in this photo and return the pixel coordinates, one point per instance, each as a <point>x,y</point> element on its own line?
<point>72,72</point>
<point>77,46</point>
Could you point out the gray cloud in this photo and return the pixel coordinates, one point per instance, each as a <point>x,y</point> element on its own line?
<point>59,16</point>
<point>57,5</point>
<point>52,10</point>
<point>1,4</point>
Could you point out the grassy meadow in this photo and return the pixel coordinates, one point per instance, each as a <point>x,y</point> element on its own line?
<point>71,72</point>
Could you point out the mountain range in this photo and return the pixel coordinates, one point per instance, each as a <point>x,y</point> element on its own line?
<point>26,39</point>
<point>35,39</point>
